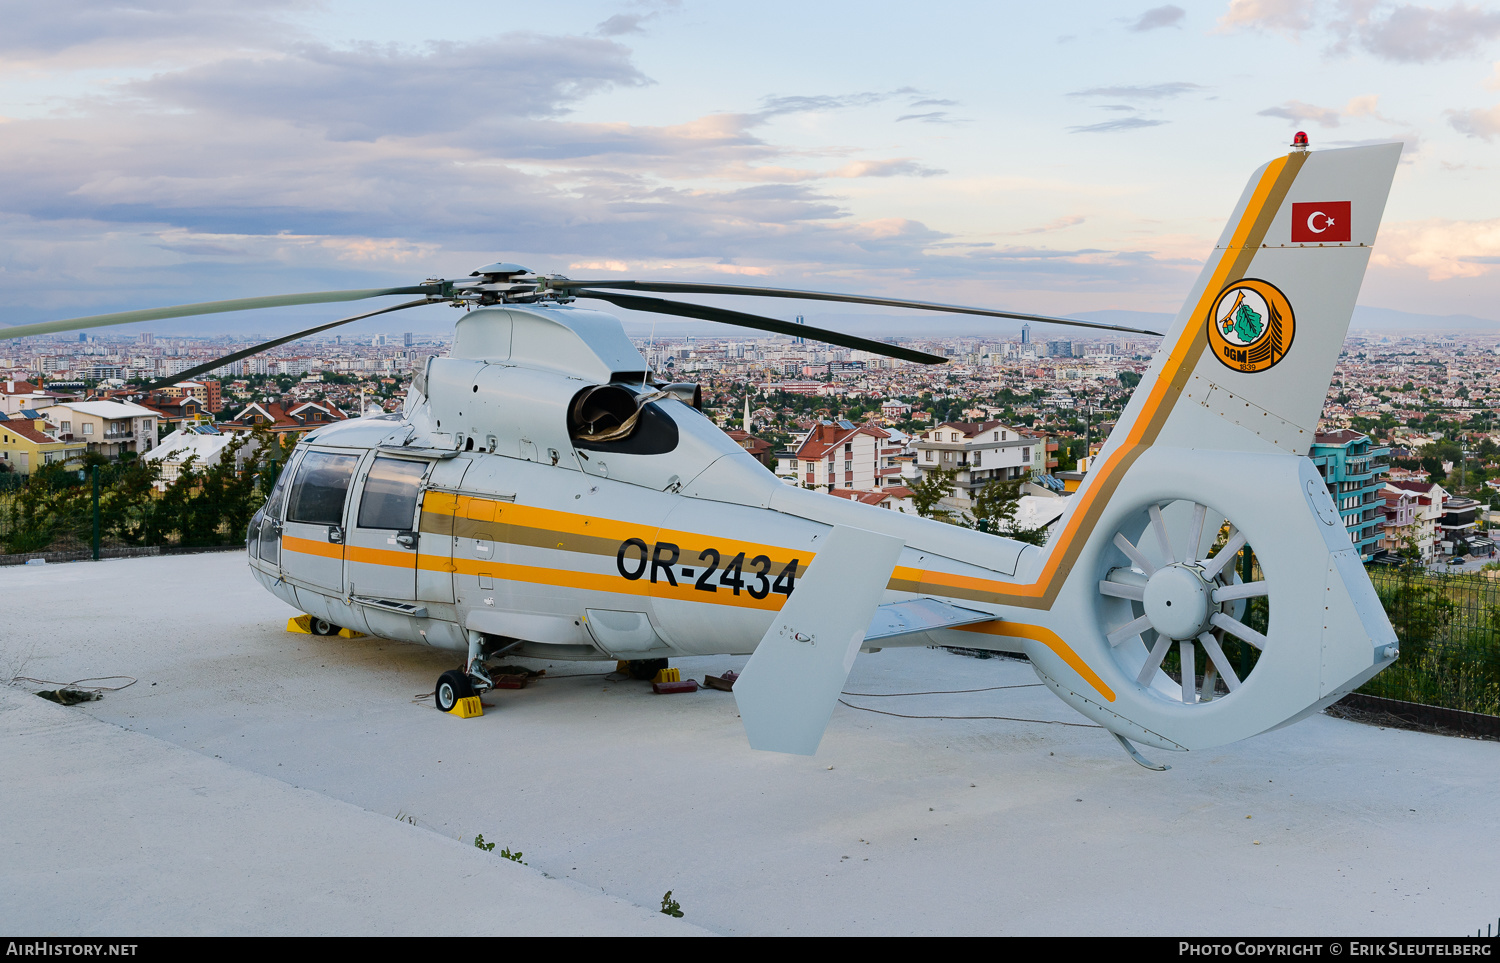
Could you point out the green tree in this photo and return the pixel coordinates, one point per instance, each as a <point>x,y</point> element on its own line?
<point>994,511</point>
<point>935,485</point>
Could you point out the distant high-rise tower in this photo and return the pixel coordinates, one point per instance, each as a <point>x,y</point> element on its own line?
<point>799,339</point>
<point>407,337</point>
<point>1026,334</point>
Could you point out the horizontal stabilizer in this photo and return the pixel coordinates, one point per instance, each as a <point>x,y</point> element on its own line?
<point>895,619</point>
<point>789,687</point>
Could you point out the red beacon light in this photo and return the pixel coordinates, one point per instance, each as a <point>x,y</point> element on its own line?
<point>1299,141</point>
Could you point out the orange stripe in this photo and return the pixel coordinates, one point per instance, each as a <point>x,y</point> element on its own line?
<point>1051,640</point>
<point>394,558</point>
<point>307,546</point>
<point>593,581</point>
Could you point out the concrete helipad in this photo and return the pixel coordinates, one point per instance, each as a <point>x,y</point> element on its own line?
<point>252,781</point>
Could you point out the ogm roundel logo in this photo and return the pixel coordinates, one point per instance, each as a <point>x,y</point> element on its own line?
<point>1250,326</point>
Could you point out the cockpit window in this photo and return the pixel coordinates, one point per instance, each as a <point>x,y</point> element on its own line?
<point>278,493</point>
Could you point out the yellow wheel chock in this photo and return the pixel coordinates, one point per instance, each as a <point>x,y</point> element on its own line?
<point>303,624</point>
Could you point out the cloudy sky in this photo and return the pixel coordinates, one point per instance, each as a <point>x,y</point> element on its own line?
<point>1055,158</point>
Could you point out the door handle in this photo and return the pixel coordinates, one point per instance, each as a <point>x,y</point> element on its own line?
<point>336,534</point>
<point>406,539</point>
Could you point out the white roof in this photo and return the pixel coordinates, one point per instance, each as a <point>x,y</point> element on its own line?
<point>180,444</point>
<point>109,409</point>
<point>1033,511</point>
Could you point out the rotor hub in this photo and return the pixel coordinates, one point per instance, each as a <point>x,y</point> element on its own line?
<point>1178,601</point>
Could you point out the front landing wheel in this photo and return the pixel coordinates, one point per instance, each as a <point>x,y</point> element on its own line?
<point>451,686</point>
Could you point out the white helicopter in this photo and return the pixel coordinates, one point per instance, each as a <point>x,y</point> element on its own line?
<point>543,494</point>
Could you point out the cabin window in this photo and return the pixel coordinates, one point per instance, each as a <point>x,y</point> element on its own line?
<point>390,496</point>
<point>320,488</point>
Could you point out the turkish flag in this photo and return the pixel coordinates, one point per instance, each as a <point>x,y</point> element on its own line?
<point>1320,223</point>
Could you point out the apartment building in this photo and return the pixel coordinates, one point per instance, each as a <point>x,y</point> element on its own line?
<point>287,416</point>
<point>835,455</point>
<point>1426,500</point>
<point>1353,467</point>
<point>27,442</point>
<point>981,453</point>
<point>207,393</point>
<point>1458,528</point>
<point>109,428</point>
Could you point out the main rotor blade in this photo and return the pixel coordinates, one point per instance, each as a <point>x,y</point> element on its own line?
<point>705,313</point>
<point>191,373</point>
<point>206,307</point>
<point>680,287</point>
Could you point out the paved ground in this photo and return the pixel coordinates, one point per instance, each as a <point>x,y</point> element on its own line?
<point>909,826</point>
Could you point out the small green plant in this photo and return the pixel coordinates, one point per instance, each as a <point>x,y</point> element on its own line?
<point>403,816</point>
<point>479,843</point>
<point>514,857</point>
<point>670,906</point>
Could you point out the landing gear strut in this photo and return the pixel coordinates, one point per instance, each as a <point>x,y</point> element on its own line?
<point>454,684</point>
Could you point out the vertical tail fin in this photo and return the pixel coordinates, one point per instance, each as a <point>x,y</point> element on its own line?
<point>1207,460</point>
<point>1248,360</point>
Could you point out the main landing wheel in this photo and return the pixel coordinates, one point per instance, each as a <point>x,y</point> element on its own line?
<point>323,627</point>
<point>451,686</point>
<point>645,670</point>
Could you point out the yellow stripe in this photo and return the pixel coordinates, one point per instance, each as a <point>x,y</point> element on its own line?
<point>1184,356</point>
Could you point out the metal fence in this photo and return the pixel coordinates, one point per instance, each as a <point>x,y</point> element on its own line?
<point>1449,627</point>
<point>115,510</point>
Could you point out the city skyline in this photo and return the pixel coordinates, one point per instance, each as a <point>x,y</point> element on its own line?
<point>1054,160</point>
